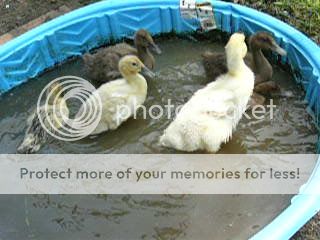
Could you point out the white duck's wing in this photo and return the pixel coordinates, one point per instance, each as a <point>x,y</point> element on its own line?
<point>218,104</point>
<point>113,95</point>
<point>116,105</point>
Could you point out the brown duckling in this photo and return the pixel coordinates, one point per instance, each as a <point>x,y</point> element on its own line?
<point>103,65</point>
<point>215,63</point>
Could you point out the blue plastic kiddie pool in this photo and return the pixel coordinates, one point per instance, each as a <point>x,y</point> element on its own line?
<point>81,30</point>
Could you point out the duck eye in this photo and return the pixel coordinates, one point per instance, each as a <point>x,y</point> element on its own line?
<point>134,64</point>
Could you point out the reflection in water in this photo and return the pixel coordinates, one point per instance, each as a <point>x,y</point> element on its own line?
<point>179,75</point>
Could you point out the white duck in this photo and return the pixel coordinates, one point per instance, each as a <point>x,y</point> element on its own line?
<point>209,117</point>
<point>120,98</point>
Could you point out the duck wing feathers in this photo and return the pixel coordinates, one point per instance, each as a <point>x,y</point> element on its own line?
<point>102,66</point>
<point>118,103</point>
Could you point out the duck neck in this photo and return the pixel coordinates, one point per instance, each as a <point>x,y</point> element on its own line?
<point>259,60</point>
<point>137,81</point>
<point>144,54</point>
<point>236,65</point>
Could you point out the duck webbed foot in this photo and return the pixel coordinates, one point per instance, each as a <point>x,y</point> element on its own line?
<point>266,88</point>
<point>256,100</point>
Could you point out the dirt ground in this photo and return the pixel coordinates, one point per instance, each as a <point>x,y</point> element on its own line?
<point>14,13</point>
<point>310,231</point>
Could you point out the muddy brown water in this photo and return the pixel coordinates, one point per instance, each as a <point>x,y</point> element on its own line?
<point>179,75</point>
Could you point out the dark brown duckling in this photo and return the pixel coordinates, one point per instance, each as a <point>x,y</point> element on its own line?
<point>144,43</point>
<point>215,63</point>
<point>102,66</point>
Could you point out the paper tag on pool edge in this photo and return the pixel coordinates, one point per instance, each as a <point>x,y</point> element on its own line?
<point>206,16</point>
<point>189,9</point>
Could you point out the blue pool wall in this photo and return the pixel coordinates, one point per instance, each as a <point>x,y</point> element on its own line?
<point>82,30</point>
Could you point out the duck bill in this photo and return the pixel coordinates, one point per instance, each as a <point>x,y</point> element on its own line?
<point>155,48</point>
<point>147,72</point>
<point>276,48</point>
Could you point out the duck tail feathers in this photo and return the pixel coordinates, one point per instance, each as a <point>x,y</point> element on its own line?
<point>31,144</point>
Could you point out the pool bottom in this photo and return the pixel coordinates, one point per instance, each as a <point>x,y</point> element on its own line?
<point>137,216</point>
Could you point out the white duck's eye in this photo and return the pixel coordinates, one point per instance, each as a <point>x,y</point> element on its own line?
<point>134,64</point>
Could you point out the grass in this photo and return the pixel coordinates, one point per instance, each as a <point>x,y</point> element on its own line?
<point>302,14</point>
